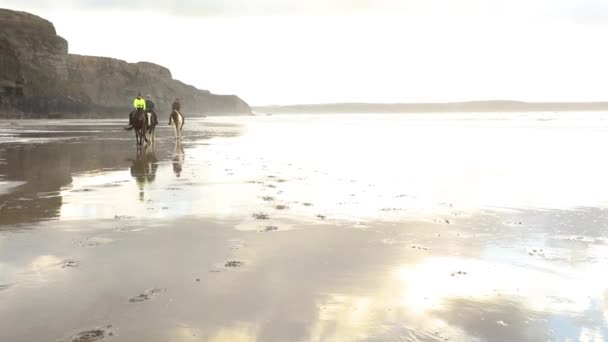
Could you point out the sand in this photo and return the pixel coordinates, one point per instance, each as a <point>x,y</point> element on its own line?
<point>306,228</point>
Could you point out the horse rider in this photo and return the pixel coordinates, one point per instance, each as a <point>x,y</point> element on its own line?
<point>176,106</point>
<point>139,104</point>
<point>150,109</point>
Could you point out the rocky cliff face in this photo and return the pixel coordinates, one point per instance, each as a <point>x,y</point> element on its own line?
<point>33,57</point>
<point>115,83</point>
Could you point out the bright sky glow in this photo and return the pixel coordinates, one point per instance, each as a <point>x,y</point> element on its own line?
<point>281,52</point>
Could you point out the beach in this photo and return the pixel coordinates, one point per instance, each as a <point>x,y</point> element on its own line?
<point>366,227</point>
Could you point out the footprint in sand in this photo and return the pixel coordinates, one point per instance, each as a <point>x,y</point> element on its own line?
<point>149,294</point>
<point>270,229</point>
<point>281,207</point>
<point>268,198</point>
<point>453,274</point>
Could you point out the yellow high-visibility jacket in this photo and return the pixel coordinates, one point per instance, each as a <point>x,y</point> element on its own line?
<point>139,103</point>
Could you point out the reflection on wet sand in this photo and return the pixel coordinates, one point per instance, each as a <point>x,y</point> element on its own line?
<point>143,168</point>
<point>268,235</point>
<point>35,177</point>
<point>178,158</point>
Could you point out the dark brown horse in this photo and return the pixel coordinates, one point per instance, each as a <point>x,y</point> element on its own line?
<point>140,124</point>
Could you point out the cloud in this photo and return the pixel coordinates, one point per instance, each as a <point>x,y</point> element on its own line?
<point>538,11</point>
<point>219,7</point>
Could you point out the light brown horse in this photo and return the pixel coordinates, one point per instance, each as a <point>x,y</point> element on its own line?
<point>177,120</point>
<point>140,124</point>
<point>151,124</point>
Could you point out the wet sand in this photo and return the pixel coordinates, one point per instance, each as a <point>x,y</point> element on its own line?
<point>428,227</point>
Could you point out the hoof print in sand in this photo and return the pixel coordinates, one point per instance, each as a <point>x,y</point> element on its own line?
<point>233,264</point>
<point>270,229</point>
<point>93,335</point>
<point>146,295</point>
<point>514,223</point>
<point>4,287</point>
<point>93,242</point>
<point>261,216</point>
<point>83,190</point>
<point>453,274</point>
<point>441,221</point>
<point>390,209</point>
<point>537,252</point>
<point>322,217</point>
<point>307,204</point>
<point>268,198</point>
<point>236,244</point>
<point>70,263</point>
<point>281,207</point>
<point>420,248</point>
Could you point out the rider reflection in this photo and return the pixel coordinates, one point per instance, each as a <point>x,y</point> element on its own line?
<point>143,168</point>
<point>178,158</point>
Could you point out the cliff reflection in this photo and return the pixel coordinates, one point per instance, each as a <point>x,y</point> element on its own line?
<point>45,169</point>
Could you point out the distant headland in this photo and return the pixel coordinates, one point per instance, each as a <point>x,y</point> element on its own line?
<point>472,106</point>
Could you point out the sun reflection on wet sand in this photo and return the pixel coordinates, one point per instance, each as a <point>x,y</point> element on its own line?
<point>364,227</point>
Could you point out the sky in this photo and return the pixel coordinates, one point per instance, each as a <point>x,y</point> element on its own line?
<point>321,51</point>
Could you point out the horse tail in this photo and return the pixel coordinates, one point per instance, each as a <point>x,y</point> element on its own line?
<point>128,128</point>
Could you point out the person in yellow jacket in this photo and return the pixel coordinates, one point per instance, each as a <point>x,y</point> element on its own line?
<point>138,104</point>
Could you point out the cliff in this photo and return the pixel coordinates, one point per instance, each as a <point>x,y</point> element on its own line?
<point>38,78</point>
<point>114,83</point>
